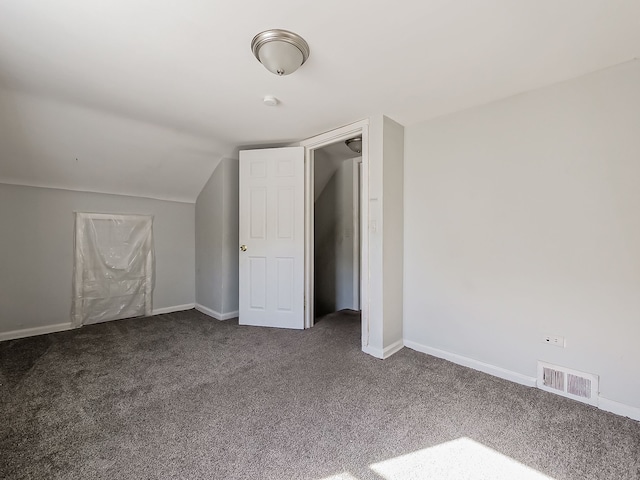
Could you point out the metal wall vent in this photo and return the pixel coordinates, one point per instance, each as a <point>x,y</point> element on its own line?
<point>568,383</point>
<point>553,378</point>
<point>579,386</point>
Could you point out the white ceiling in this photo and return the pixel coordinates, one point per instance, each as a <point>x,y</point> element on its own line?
<point>164,88</point>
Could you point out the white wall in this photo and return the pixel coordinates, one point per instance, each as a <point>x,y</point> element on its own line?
<point>208,239</point>
<point>333,242</point>
<point>216,241</point>
<point>230,238</point>
<point>383,335</point>
<point>522,217</point>
<point>393,245</point>
<point>36,251</point>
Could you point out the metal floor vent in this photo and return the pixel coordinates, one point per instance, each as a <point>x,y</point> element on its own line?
<point>568,383</point>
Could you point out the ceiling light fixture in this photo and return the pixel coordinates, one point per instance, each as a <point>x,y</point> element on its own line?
<point>355,144</point>
<point>281,52</point>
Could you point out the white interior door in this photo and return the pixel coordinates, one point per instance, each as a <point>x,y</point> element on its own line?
<point>272,237</point>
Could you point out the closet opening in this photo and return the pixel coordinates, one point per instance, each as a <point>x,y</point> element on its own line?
<point>337,180</point>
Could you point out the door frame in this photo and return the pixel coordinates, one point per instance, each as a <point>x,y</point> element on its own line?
<point>310,146</point>
<point>357,186</point>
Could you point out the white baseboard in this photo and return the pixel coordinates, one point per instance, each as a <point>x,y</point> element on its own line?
<point>175,308</point>
<point>214,314</point>
<point>603,403</point>
<point>619,408</point>
<point>229,315</point>
<point>475,364</point>
<point>383,353</point>
<point>30,332</point>
<point>374,352</point>
<point>393,348</point>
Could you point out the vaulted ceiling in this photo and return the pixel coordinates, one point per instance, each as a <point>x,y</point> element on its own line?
<point>144,97</point>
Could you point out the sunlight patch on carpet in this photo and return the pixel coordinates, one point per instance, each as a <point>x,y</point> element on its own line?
<point>460,459</point>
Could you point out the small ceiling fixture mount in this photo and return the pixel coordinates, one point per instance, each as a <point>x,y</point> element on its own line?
<point>270,101</point>
<point>281,52</point>
<point>355,144</point>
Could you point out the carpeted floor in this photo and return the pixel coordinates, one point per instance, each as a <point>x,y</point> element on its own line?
<point>184,396</point>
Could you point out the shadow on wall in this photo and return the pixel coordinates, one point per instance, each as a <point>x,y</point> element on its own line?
<point>333,237</point>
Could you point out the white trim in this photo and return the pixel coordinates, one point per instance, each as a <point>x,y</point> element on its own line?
<point>309,240</point>
<point>175,308</point>
<point>229,315</point>
<point>357,224</point>
<point>603,403</point>
<point>393,348</point>
<point>214,314</point>
<point>386,353</point>
<point>335,135</point>
<point>30,332</point>
<point>475,364</point>
<point>374,352</point>
<point>311,144</point>
<point>619,408</point>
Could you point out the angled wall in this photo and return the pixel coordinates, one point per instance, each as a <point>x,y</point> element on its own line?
<point>50,143</point>
<point>216,241</point>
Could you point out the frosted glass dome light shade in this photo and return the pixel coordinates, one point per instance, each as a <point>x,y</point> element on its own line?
<point>281,52</point>
<point>280,58</point>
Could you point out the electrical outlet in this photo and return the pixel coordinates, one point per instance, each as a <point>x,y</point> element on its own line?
<point>555,340</point>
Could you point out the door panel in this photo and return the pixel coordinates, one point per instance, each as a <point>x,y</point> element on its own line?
<point>272,229</point>
<point>258,213</point>
<point>285,212</point>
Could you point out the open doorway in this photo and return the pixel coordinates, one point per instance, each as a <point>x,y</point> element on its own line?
<point>336,174</point>
<point>291,253</point>
<point>313,145</point>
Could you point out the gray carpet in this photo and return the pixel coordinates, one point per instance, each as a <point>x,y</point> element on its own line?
<point>184,396</point>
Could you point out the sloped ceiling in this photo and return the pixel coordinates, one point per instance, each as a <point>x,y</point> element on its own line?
<point>327,161</point>
<point>144,97</point>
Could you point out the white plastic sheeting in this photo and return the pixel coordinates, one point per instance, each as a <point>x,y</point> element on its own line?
<point>113,268</point>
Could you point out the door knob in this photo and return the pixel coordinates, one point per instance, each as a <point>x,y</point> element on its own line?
<point>243,248</point>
